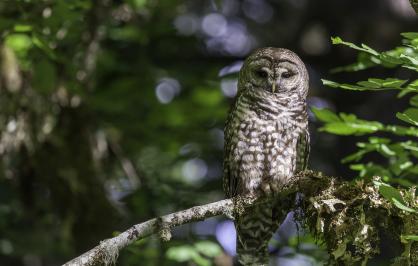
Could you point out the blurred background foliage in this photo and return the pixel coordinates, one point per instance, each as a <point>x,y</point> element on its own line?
<point>111,112</point>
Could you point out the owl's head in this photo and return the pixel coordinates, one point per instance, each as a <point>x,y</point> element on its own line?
<point>275,70</point>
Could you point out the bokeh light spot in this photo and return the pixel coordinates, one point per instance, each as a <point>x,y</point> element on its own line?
<point>166,89</point>
<point>214,25</point>
<point>229,87</point>
<point>194,170</point>
<point>186,24</point>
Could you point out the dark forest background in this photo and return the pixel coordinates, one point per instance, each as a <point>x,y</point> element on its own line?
<point>112,112</point>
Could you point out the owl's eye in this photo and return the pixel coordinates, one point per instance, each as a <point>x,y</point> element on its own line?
<point>261,73</point>
<point>288,74</point>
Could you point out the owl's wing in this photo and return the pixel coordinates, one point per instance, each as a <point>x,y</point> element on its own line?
<point>230,180</point>
<point>302,151</point>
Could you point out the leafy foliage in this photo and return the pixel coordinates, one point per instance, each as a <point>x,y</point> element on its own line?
<point>402,56</point>
<point>400,156</point>
<point>351,219</point>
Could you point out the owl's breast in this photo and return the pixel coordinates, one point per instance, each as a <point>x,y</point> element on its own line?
<point>260,151</point>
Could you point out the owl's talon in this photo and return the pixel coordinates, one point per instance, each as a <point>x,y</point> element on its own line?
<point>271,189</point>
<point>266,188</point>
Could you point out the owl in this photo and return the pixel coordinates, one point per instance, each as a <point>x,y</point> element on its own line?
<point>266,142</point>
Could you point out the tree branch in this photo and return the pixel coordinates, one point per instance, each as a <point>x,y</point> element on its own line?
<point>343,214</point>
<point>107,251</point>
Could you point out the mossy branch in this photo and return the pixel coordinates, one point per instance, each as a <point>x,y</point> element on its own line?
<point>348,217</point>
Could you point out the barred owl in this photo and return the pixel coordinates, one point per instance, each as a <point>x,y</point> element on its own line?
<point>266,142</point>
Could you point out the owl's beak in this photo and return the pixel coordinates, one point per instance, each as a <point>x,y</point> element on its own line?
<point>273,89</point>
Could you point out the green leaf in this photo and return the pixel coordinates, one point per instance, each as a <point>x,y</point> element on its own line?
<point>391,82</point>
<point>388,191</point>
<point>138,4</point>
<point>208,248</point>
<point>330,83</point>
<point>410,237</point>
<point>378,140</point>
<point>325,115</point>
<point>404,56</point>
<point>207,97</point>
<point>414,101</point>
<point>402,131</point>
<point>369,84</point>
<point>393,195</point>
<point>181,253</point>
<point>357,167</point>
<point>411,59</point>
<point>336,40</point>
<point>22,28</point>
<point>386,150</point>
<point>354,157</point>
<point>410,115</point>
<point>402,206</point>
<point>339,128</point>
<point>410,35</point>
<point>399,166</point>
<point>364,48</point>
<point>20,43</point>
<point>188,253</point>
<point>345,124</point>
<point>372,84</point>
<point>41,44</point>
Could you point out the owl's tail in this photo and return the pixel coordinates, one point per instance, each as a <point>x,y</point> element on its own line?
<point>254,231</point>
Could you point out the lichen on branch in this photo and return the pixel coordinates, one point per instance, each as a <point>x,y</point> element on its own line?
<point>349,218</point>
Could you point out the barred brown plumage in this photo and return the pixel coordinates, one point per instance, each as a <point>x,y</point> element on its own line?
<point>266,142</point>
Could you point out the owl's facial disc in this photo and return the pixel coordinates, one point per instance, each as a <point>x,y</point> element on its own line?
<point>260,73</point>
<point>285,76</point>
<point>274,76</point>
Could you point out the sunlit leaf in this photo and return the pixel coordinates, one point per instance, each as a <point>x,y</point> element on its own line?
<point>388,191</point>
<point>386,150</point>
<point>410,35</point>
<point>181,253</point>
<point>409,115</point>
<point>393,195</point>
<point>325,115</point>
<point>208,248</point>
<point>410,237</point>
<point>22,28</point>
<point>364,48</point>
<point>402,206</point>
<point>372,84</point>
<point>414,101</point>
<point>354,157</point>
<point>20,43</point>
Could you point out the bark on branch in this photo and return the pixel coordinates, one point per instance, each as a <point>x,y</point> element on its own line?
<point>107,251</point>
<point>349,217</point>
